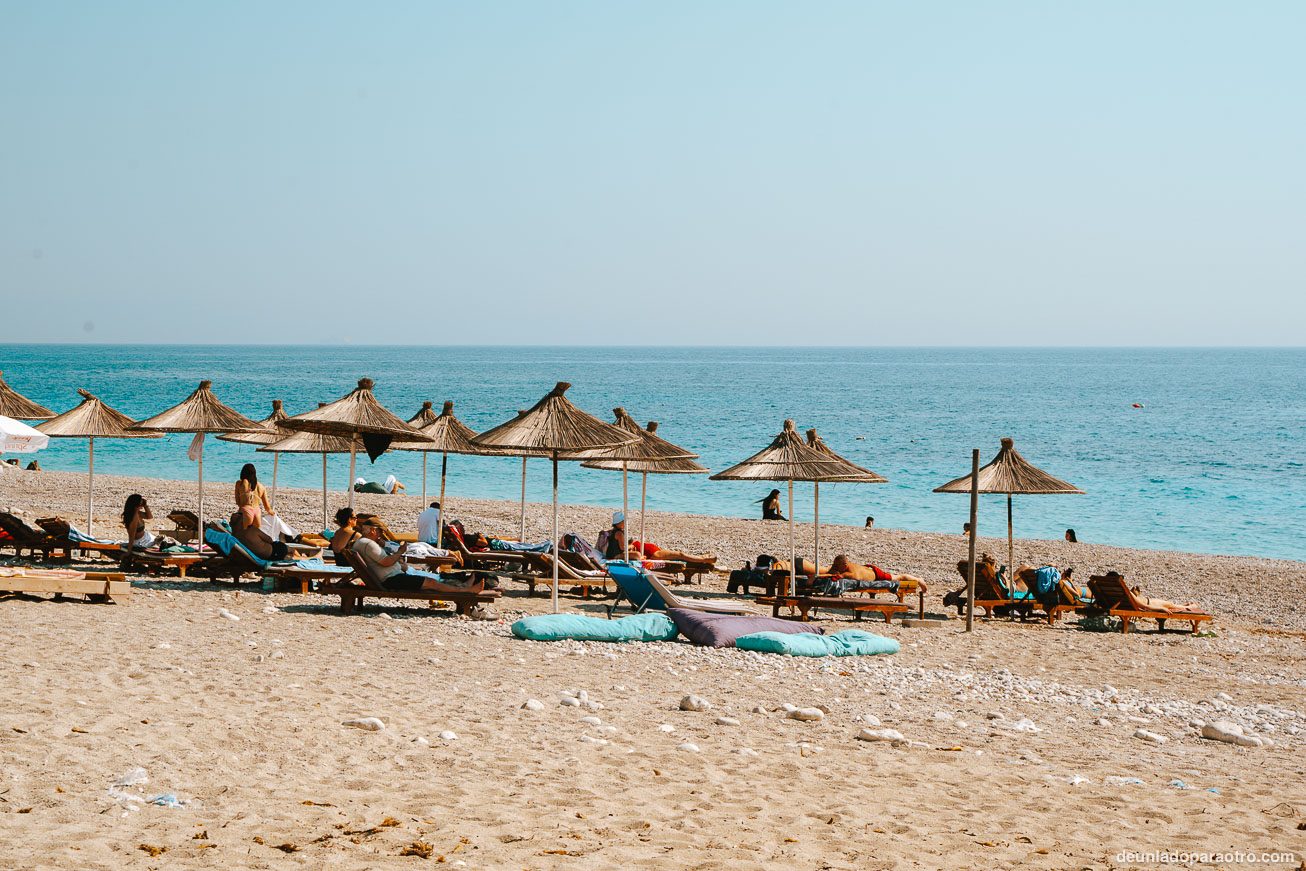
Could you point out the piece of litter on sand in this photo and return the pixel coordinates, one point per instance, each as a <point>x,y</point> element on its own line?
<point>167,799</point>
<point>132,777</point>
<point>1076,780</point>
<point>1123,781</point>
<point>1179,784</point>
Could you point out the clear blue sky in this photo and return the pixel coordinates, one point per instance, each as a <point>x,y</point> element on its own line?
<point>653,172</point>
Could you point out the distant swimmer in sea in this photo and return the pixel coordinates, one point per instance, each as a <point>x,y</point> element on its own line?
<point>870,522</point>
<point>388,488</point>
<point>771,506</point>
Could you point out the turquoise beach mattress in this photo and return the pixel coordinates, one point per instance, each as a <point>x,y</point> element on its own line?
<point>578,627</point>
<point>850,642</point>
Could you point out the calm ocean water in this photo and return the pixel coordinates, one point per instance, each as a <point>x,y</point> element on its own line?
<point>1212,463</point>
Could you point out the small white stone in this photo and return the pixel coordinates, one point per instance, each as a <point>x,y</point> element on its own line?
<point>1025,725</point>
<point>569,702</point>
<point>421,739</point>
<point>688,747</point>
<point>1153,737</point>
<point>667,727</point>
<point>694,703</point>
<point>271,609</point>
<point>1232,733</point>
<point>606,730</point>
<point>880,735</point>
<point>871,720</point>
<point>758,709</point>
<point>806,715</point>
<point>805,749</point>
<point>278,654</point>
<point>1101,721</point>
<point>943,717</point>
<point>591,705</point>
<point>590,739</point>
<point>1151,710</point>
<point>1224,697</point>
<point>223,612</point>
<point>591,721</point>
<point>533,705</point>
<point>727,721</point>
<point>747,751</point>
<point>995,715</point>
<point>448,735</point>
<point>368,724</point>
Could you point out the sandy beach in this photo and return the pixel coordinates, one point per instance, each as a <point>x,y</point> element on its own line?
<point>1019,748</point>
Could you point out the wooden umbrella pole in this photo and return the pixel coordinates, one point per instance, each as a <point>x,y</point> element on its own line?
<point>90,490</point>
<point>974,512</point>
<point>643,501</point>
<point>324,492</point>
<point>199,525</point>
<point>353,456</point>
<point>444,471</point>
<point>276,459</point>
<point>521,535</point>
<point>1011,547</point>
<point>793,548</point>
<point>625,505</point>
<point>555,532</point>
<point>816,525</point>
<point>423,477</point>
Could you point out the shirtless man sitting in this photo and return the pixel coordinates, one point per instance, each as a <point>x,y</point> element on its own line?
<point>391,573</point>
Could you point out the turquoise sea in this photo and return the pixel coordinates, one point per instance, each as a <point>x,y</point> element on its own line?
<point>1214,462</point>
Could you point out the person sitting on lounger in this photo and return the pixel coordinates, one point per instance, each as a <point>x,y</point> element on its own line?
<point>771,506</point>
<point>428,524</point>
<point>245,526</point>
<point>389,488</point>
<point>390,570</point>
<point>612,541</point>
<point>134,514</point>
<point>347,533</point>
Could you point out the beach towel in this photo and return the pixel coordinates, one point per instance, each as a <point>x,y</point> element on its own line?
<point>850,642</point>
<point>519,547</point>
<point>578,627</point>
<point>708,629</point>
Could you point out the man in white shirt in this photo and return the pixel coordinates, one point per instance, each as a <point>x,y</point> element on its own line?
<point>392,573</point>
<point>428,524</point>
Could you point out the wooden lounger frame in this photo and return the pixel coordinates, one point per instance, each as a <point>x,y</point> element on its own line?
<point>352,595</point>
<point>1111,595</point>
<point>95,586</point>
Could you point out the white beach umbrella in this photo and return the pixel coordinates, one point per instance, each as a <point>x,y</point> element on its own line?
<point>17,437</point>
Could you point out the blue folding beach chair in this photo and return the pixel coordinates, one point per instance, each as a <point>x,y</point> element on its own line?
<point>633,586</point>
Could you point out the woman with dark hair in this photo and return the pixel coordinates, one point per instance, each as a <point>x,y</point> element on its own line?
<point>347,534</point>
<point>249,492</point>
<point>134,514</point>
<point>771,506</point>
<point>1071,537</point>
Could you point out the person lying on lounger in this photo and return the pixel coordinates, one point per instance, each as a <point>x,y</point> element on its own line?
<point>642,550</point>
<point>390,487</point>
<point>390,570</point>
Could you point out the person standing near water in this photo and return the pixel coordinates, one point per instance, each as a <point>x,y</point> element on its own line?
<point>771,506</point>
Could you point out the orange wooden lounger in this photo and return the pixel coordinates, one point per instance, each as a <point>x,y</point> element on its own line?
<point>1111,595</point>
<point>95,586</point>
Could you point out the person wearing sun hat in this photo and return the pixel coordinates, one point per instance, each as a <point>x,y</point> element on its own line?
<point>612,542</point>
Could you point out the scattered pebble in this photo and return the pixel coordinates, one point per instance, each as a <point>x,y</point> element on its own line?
<point>448,735</point>
<point>667,727</point>
<point>533,705</point>
<point>688,747</point>
<point>806,715</point>
<point>223,612</point>
<point>880,735</point>
<point>727,721</point>
<point>1153,737</point>
<point>1232,733</point>
<point>591,721</point>
<point>367,724</point>
<point>694,703</point>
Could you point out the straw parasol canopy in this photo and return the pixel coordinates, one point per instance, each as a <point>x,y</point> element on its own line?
<point>19,407</point>
<point>650,443</point>
<point>557,426</point>
<point>448,435</point>
<point>858,475</point>
<point>92,420</point>
<point>312,443</point>
<point>1010,473</point>
<point>356,416</point>
<point>269,429</point>
<point>200,413</point>
<point>788,459</point>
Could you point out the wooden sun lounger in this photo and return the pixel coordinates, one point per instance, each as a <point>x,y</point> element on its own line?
<point>858,605</point>
<point>152,562</point>
<point>989,593</point>
<point>95,586</point>
<point>1069,602</point>
<point>541,573</point>
<point>60,530</point>
<point>778,579</point>
<point>352,595</point>
<point>22,536</point>
<point>1111,595</point>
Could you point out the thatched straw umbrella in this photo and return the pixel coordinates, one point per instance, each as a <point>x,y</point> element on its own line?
<point>19,407</point>
<point>652,454</point>
<point>199,413</point>
<point>787,459</point>
<point>857,475</point>
<point>358,417</point>
<point>270,433</point>
<point>555,425</point>
<point>1010,473</point>
<point>448,435</point>
<point>92,420</point>
<point>313,443</point>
